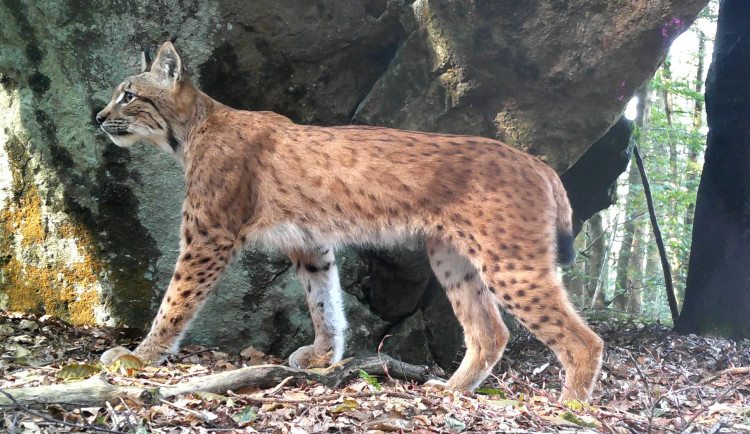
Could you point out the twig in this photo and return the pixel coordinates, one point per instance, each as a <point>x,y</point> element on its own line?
<point>323,399</point>
<point>598,287</point>
<point>651,404</point>
<point>672,390</point>
<point>127,419</point>
<point>192,353</point>
<point>729,371</point>
<point>604,232</point>
<point>401,364</point>
<point>535,419</point>
<point>530,387</point>
<point>385,365</point>
<point>16,416</point>
<point>600,419</point>
<point>508,393</point>
<point>280,385</point>
<point>193,412</point>
<point>49,420</point>
<point>716,400</point>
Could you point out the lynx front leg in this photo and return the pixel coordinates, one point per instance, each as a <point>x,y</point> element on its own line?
<point>202,260</point>
<point>319,276</point>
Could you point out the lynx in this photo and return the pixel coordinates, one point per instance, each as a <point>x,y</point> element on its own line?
<point>492,216</point>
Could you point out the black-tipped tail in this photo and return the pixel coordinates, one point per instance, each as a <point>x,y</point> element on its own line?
<point>566,252</point>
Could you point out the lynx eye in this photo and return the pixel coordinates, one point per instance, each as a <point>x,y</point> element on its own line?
<point>127,97</point>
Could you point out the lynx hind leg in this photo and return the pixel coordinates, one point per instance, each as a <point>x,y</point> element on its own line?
<point>538,300</point>
<point>476,308</point>
<point>317,271</point>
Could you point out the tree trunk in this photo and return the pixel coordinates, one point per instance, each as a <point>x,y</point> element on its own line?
<point>692,171</point>
<point>674,174</point>
<point>666,68</point>
<point>573,276</point>
<point>620,300</point>
<point>632,209</point>
<point>653,277</point>
<point>717,298</point>
<point>596,260</point>
<point>635,274</point>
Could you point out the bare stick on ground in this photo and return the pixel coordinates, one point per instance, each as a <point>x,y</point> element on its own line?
<point>97,390</point>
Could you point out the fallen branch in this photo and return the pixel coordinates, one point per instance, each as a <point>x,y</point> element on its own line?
<point>331,398</point>
<point>651,404</point>
<point>16,405</point>
<point>716,400</point>
<point>95,391</point>
<point>730,371</point>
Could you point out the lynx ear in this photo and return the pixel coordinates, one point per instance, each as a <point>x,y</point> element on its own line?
<point>168,63</point>
<point>146,59</point>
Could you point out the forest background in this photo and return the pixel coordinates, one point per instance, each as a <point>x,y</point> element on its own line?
<point>618,265</point>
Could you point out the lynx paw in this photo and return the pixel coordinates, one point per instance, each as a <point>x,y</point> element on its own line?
<point>437,384</point>
<point>112,354</point>
<point>305,358</point>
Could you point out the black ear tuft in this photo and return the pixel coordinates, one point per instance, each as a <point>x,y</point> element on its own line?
<point>173,38</point>
<point>146,59</point>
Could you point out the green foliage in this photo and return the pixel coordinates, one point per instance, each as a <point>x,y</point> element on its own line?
<point>570,417</point>
<point>671,140</point>
<point>493,392</point>
<point>370,379</point>
<point>247,415</point>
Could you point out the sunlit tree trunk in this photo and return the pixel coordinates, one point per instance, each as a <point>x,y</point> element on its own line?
<point>674,175</point>
<point>667,100</point>
<point>573,276</point>
<point>596,260</point>
<point>652,274</point>
<point>620,300</point>
<point>632,211</point>
<point>692,172</point>
<point>717,299</point>
<point>635,274</point>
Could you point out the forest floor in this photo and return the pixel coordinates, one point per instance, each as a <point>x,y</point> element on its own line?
<point>652,381</point>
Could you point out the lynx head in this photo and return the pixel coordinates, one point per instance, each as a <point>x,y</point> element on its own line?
<point>152,105</point>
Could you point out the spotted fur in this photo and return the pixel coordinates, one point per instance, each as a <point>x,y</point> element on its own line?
<point>491,216</point>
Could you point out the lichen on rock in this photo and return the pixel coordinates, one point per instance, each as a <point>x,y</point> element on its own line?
<point>50,264</point>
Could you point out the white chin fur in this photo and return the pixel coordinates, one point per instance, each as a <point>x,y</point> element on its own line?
<point>123,141</point>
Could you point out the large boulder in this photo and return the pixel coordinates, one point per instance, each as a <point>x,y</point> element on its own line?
<point>89,232</point>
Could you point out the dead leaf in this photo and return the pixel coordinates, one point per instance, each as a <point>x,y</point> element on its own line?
<point>78,371</point>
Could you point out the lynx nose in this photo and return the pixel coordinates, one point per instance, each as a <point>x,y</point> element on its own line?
<point>100,118</point>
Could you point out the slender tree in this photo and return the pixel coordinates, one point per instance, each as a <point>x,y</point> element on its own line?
<point>693,171</point>
<point>596,247</point>
<point>635,274</point>
<point>620,299</point>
